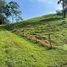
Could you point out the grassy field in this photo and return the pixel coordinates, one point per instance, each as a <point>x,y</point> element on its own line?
<point>18,52</point>
<point>19,47</point>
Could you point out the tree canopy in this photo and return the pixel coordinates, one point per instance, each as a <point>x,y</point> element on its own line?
<point>10,9</point>
<point>64,6</point>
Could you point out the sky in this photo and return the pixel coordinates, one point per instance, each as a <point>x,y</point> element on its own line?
<point>35,8</point>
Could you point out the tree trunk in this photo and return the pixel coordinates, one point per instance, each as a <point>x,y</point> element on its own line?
<point>49,37</point>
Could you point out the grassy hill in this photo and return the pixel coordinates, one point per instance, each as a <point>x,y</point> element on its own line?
<point>40,27</point>
<point>18,52</point>
<point>20,48</point>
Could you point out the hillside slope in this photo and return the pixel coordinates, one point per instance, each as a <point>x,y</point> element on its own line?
<point>40,27</point>
<point>24,45</point>
<point>18,52</point>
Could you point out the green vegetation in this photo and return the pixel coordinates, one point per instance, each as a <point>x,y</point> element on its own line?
<point>37,42</point>
<point>18,52</point>
<point>24,45</point>
<point>39,27</point>
<point>8,10</point>
<point>64,6</point>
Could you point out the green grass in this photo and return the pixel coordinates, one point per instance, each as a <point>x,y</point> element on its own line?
<point>18,52</point>
<point>19,49</point>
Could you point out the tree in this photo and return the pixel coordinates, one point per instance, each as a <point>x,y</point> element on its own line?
<point>2,15</point>
<point>48,29</point>
<point>7,10</point>
<point>4,12</point>
<point>14,9</point>
<point>64,6</point>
